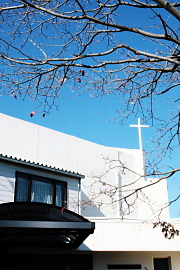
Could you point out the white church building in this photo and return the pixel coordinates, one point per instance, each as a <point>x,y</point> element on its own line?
<point>70,204</point>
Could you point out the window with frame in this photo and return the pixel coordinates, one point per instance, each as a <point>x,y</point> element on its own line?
<point>31,188</point>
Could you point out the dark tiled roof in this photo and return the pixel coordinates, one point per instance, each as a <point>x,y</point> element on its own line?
<point>39,166</point>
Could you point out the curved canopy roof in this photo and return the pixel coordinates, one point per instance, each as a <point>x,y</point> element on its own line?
<point>25,224</point>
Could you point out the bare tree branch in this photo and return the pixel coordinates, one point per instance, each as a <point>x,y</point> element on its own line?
<point>90,46</point>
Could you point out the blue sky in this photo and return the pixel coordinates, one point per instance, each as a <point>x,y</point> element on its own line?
<point>91,118</point>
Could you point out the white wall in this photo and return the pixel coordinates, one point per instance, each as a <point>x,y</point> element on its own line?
<point>129,235</point>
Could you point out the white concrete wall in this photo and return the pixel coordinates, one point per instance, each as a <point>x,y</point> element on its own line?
<point>35,143</point>
<point>157,194</point>
<point>129,235</point>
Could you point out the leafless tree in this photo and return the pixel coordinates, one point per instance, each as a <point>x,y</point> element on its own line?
<point>129,49</point>
<point>131,194</point>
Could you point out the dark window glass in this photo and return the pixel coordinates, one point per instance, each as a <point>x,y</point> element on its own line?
<point>124,266</point>
<point>59,195</point>
<point>39,189</point>
<point>161,263</point>
<point>22,188</point>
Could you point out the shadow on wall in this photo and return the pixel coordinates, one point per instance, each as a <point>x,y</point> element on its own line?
<point>88,208</point>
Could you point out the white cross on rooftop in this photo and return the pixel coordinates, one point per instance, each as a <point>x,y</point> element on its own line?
<point>139,126</point>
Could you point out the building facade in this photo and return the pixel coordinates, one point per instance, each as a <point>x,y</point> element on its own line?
<point>67,203</point>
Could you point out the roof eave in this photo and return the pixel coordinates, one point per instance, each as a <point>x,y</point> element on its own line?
<point>40,166</point>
